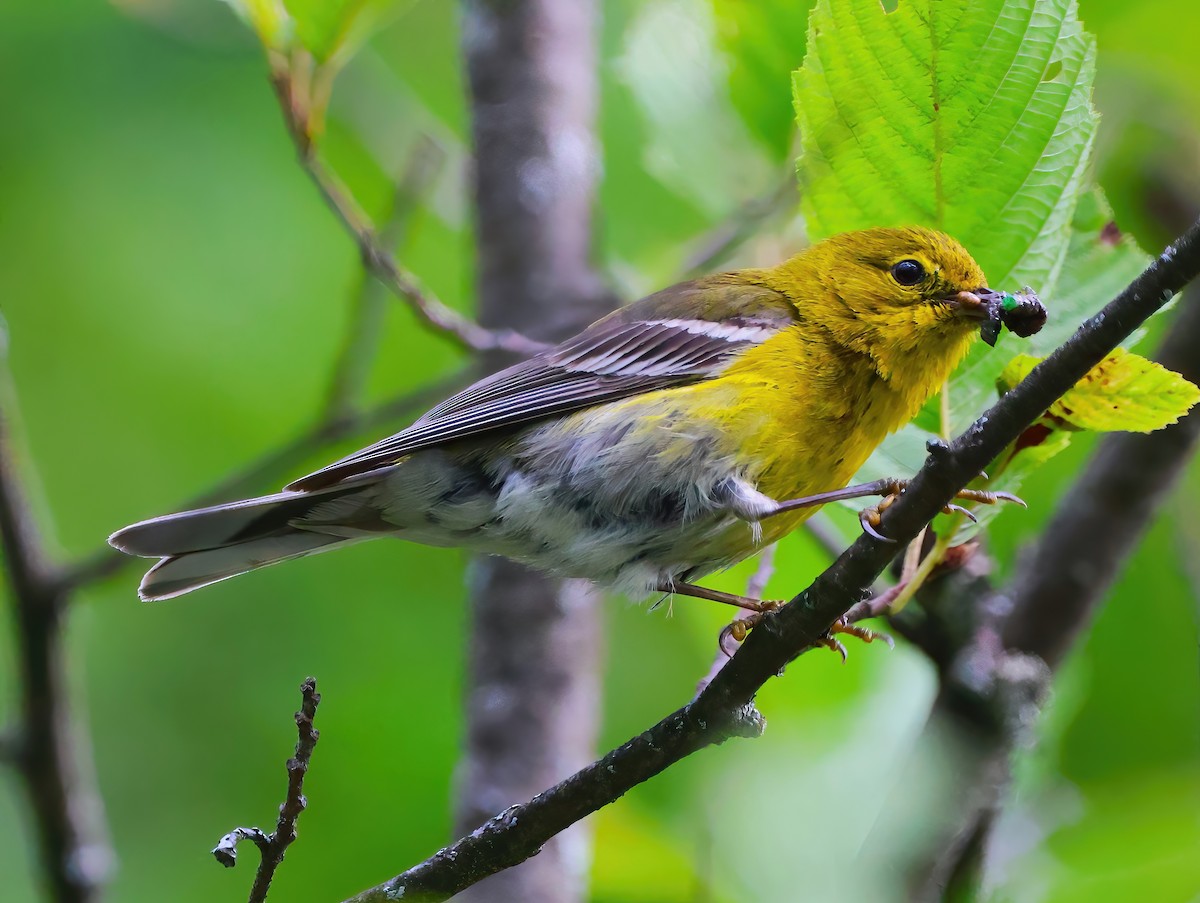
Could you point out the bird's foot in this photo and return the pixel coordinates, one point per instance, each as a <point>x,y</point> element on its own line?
<point>893,489</point>
<point>735,632</point>
<point>831,642</point>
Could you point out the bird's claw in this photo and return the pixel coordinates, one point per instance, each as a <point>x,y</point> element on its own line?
<point>863,633</point>
<point>869,518</point>
<point>830,641</point>
<point>834,645</point>
<point>959,509</point>
<point>985,497</point>
<point>734,632</point>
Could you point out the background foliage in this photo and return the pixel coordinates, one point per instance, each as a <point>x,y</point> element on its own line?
<point>174,292</point>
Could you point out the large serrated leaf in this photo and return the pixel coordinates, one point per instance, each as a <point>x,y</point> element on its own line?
<point>974,118</point>
<point>970,117</point>
<point>1097,265</point>
<point>763,41</point>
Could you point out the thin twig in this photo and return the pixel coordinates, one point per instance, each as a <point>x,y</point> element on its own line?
<point>55,765</point>
<point>376,258</point>
<point>724,708</point>
<point>757,584</point>
<point>273,847</point>
<point>715,248</point>
<point>364,330</point>
<point>755,587</point>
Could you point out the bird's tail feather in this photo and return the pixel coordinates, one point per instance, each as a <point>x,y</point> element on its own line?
<point>178,574</point>
<point>213,544</point>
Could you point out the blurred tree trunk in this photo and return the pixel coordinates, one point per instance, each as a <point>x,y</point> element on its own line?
<point>533,688</point>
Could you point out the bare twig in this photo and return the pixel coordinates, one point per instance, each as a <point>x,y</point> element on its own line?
<point>715,248</point>
<point>52,759</point>
<point>724,708</point>
<point>273,847</point>
<point>757,584</point>
<point>225,852</point>
<point>376,258</point>
<point>363,332</point>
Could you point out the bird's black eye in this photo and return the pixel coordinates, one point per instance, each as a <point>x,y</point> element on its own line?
<point>908,272</point>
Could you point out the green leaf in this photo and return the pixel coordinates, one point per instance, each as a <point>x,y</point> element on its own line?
<point>695,144</point>
<point>970,117</point>
<point>1123,392</point>
<point>1099,264</point>
<point>323,25</point>
<point>763,42</point>
<point>973,118</point>
<point>327,29</point>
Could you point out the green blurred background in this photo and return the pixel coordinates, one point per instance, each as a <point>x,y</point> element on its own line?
<point>175,293</point>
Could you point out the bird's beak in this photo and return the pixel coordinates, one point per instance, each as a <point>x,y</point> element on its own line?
<point>983,305</point>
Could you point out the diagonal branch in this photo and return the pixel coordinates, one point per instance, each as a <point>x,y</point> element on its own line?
<point>716,247</point>
<point>360,347</point>
<point>375,256</point>
<point>724,708</point>
<point>1096,527</point>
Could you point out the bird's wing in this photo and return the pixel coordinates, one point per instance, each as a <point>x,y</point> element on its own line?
<point>627,353</point>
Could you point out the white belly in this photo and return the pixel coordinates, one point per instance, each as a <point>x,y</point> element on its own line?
<point>613,513</point>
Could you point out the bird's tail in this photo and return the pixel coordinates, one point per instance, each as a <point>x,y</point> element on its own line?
<point>213,544</point>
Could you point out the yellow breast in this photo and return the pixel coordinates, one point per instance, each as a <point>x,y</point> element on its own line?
<point>802,415</point>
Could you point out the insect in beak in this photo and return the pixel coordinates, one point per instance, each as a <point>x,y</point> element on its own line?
<point>1023,312</point>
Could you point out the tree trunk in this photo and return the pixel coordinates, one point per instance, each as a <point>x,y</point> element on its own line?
<point>533,692</point>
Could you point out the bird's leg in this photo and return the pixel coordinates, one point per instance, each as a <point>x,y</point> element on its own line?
<point>738,629</point>
<point>715,595</point>
<point>890,489</point>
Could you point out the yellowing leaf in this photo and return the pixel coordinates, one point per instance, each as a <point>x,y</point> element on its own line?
<point>1123,392</point>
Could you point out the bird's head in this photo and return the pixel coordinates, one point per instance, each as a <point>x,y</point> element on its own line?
<point>911,298</point>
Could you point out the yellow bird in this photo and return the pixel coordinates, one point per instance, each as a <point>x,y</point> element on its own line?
<point>661,444</point>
